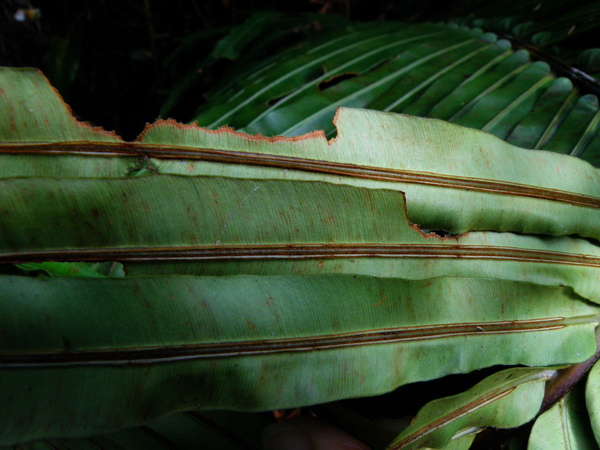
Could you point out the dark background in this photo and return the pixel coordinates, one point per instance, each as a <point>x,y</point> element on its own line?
<point>115,61</point>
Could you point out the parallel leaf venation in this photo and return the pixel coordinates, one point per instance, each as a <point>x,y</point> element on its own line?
<point>310,343</point>
<point>307,165</point>
<point>299,251</point>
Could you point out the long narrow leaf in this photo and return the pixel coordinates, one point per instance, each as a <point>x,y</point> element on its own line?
<point>538,126</point>
<point>564,426</point>
<point>224,226</point>
<point>257,343</point>
<point>450,175</point>
<point>367,49</point>
<point>506,399</point>
<point>592,399</point>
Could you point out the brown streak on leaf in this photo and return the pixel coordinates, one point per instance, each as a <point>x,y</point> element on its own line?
<point>317,134</point>
<point>460,412</point>
<point>307,165</point>
<point>158,354</point>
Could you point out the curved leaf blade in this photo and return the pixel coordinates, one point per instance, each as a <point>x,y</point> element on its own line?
<point>575,124</point>
<point>467,159</point>
<point>227,226</point>
<point>177,344</point>
<point>506,399</point>
<point>535,129</point>
<point>592,399</point>
<point>441,174</point>
<point>564,426</point>
<point>354,51</point>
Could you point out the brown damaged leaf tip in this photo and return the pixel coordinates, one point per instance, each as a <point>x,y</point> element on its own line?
<point>317,134</point>
<point>69,111</point>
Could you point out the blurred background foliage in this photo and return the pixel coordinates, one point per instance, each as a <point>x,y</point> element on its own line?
<point>122,64</point>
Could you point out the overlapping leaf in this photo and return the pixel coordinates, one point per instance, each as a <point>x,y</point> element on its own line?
<point>256,343</point>
<point>564,426</point>
<point>264,32</point>
<point>451,178</point>
<point>225,226</point>
<point>592,399</point>
<point>506,399</point>
<point>449,174</point>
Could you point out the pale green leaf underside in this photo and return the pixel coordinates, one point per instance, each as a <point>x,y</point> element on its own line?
<point>506,399</point>
<point>455,179</point>
<point>226,226</point>
<point>257,343</point>
<point>461,442</point>
<point>27,114</point>
<point>564,426</point>
<point>592,399</point>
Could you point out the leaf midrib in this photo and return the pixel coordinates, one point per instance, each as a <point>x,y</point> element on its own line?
<point>170,353</point>
<point>301,251</point>
<point>306,165</point>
